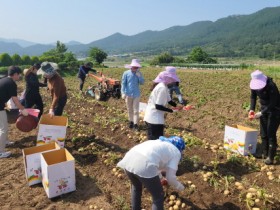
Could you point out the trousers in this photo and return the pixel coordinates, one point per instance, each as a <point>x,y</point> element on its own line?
<point>132,105</point>
<point>154,187</point>
<point>3,130</point>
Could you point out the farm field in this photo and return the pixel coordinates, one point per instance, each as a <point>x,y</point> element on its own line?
<point>98,137</point>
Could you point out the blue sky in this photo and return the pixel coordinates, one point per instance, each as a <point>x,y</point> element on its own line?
<point>85,21</point>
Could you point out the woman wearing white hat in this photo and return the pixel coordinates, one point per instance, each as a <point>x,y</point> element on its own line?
<point>130,90</point>
<point>266,90</point>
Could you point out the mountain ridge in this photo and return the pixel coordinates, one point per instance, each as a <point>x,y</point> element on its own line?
<point>235,35</point>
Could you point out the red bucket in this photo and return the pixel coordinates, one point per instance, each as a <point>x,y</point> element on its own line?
<point>33,112</point>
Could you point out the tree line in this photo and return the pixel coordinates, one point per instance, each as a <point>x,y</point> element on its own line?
<point>59,55</point>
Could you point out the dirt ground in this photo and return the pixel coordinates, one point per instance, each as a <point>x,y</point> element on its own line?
<point>98,137</point>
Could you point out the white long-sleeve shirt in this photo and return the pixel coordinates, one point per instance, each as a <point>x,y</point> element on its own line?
<point>151,157</point>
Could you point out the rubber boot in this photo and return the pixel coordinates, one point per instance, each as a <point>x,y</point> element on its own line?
<point>271,155</point>
<point>130,125</point>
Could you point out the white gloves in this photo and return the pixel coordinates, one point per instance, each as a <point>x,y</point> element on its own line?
<point>123,96</point>
<point>24,112</point>
<point>51,112</point>
<point>258,115</point>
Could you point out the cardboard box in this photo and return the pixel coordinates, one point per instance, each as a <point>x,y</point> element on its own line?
<point>32,162</point>
<point>142,109</point>
<point>58,172</point>
<point>52,129</point>
<point>240,139</point>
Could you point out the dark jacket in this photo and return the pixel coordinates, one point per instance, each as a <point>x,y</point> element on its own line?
<point>269,98</point>
<point>32,85</point>
<point>8,89</point>
<point>83,71</point>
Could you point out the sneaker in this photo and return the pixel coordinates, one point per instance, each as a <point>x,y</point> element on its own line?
<point>5,154</point>
<point>9,143</point>
<point>130,125</point>
<point>268,161</point>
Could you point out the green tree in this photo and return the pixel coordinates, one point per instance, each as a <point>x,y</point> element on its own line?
<point>69,57</point>
<point>197,55</point>
<point>5,60</point>
<point>16,59</point>
<point>71,60</point>
<point>163,58</point>
<point>97,55</point>
<point>35,59</point>
<point>56,54</point>
<point>60,47</point>
<point>26,60</point>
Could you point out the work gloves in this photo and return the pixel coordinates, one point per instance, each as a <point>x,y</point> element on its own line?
<point>258,115</point>
<point>51,112</point>
<point>253,115</point>
<point>24,112</point>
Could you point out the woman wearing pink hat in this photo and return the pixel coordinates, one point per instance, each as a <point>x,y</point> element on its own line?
<point>266,90</point>
<point>154,114</point>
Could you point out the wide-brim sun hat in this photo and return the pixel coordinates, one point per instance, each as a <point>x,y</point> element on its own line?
<point>166,78</point>
<point>172,70</point>
<point>258,80</point>
<point>134,63</point>
<point>48,68</point>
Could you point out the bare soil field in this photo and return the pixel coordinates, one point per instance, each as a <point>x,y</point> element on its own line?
<point>98,137</point>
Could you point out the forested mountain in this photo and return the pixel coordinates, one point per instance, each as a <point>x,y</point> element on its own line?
<point>237,35</point>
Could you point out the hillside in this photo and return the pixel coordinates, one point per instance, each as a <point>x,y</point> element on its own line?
<point>233,36</point>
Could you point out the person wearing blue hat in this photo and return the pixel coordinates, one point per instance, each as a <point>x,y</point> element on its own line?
<point>265,89</point>
<point>144,163</point>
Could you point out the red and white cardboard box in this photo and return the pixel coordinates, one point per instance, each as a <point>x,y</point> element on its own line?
<point>32,161</point>
<point>58,172</point>
<point>52,129</point>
